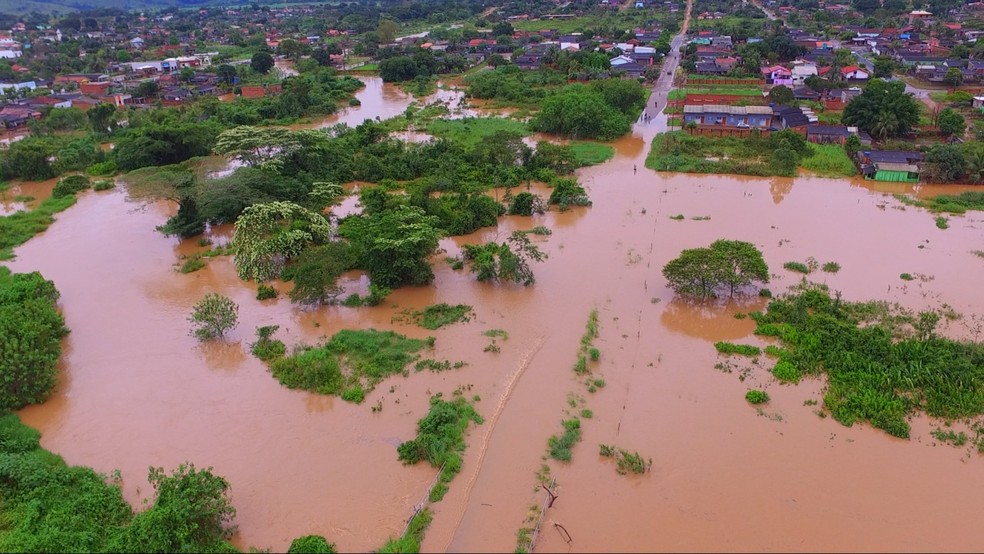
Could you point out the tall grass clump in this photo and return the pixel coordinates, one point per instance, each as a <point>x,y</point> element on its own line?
<point>559,447</point>
<point>742,349</point>
<point>441,440</point>
<point>757,396</point>
<point>625,462</point>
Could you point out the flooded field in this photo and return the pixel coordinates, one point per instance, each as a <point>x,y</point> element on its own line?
<point>137,390</point>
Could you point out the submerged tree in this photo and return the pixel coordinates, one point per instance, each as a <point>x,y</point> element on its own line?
<point>393,245</point>
<point>700,272</point>
<point>508,261</point>
<point>267,235</point>
<point>213,316</point>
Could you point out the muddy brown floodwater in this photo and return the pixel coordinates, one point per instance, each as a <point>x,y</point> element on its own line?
<point>137,390</point>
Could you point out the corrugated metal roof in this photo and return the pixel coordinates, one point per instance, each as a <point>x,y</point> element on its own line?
<point>897,167</point>
<point>731,110</point>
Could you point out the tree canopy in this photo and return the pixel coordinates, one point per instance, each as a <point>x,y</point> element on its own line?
<point>701,272</point>
<point>883,109</point>
<point>267,235</point>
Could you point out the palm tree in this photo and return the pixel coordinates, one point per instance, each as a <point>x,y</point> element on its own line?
<point>975,165</point>
<point>885,124</point>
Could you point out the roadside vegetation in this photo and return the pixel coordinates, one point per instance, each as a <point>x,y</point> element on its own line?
<point>440,440</point>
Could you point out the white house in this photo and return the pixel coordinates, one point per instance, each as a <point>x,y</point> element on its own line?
<point>801,70</point>
<point>18,86</point>
<point>10,54</point>
<point>620,60</point>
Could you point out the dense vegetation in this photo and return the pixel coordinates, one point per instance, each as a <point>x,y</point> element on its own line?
<point>881,366</point>
<point>350,364</point>
<point>51,507</point>
<point>31,330</point>
<point>603,109</point>
<point>883,109</point>
<point>440,440</point>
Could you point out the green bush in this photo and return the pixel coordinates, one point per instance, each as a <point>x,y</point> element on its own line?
<point>311,544</point>
<point>70,185</point>
<point>51,507</point>
<point>31,330</point>
<point>440,440</point>
<point>798,267</point>
<point>265,292</point>
<point>559,448</point>
<point>757,396</point>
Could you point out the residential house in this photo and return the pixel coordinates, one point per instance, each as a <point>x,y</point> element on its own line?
<point>631,69</point>
<point>716,115</point>
<point>828,134</point>
<point>791,117</point>
<point>890,165</point>
<point>849,73</point>
<point>777,75</point>
<point>801,70</point>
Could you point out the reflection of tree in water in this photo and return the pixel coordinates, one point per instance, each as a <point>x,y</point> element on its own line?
<point>713,320</point>
<point>223,355</point>
<point>780,187</point>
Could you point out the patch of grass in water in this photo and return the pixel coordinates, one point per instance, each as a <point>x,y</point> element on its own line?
<point>350,361</point>
<point>591,153</point>
<point>755,396</point>
<point>20,227</point>
<point>950,437</point>
<point>625,462</point>
<point>881,366</point>
<point>559,447</point>
<point>441,440</point>
<point>438,315</point>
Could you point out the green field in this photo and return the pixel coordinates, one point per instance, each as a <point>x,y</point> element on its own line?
<point>473,130</point>
<point>681,93</point>
<point>592,153</point>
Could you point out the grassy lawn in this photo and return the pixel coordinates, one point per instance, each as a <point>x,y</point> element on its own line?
<point>681,93</point>
<point>752,155</point>
<point>680,152</point>
<point>366,67</point>
<point>592,153</point>
<point>829,160</point>
<point>829,118</point>
<point>472,130</point>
